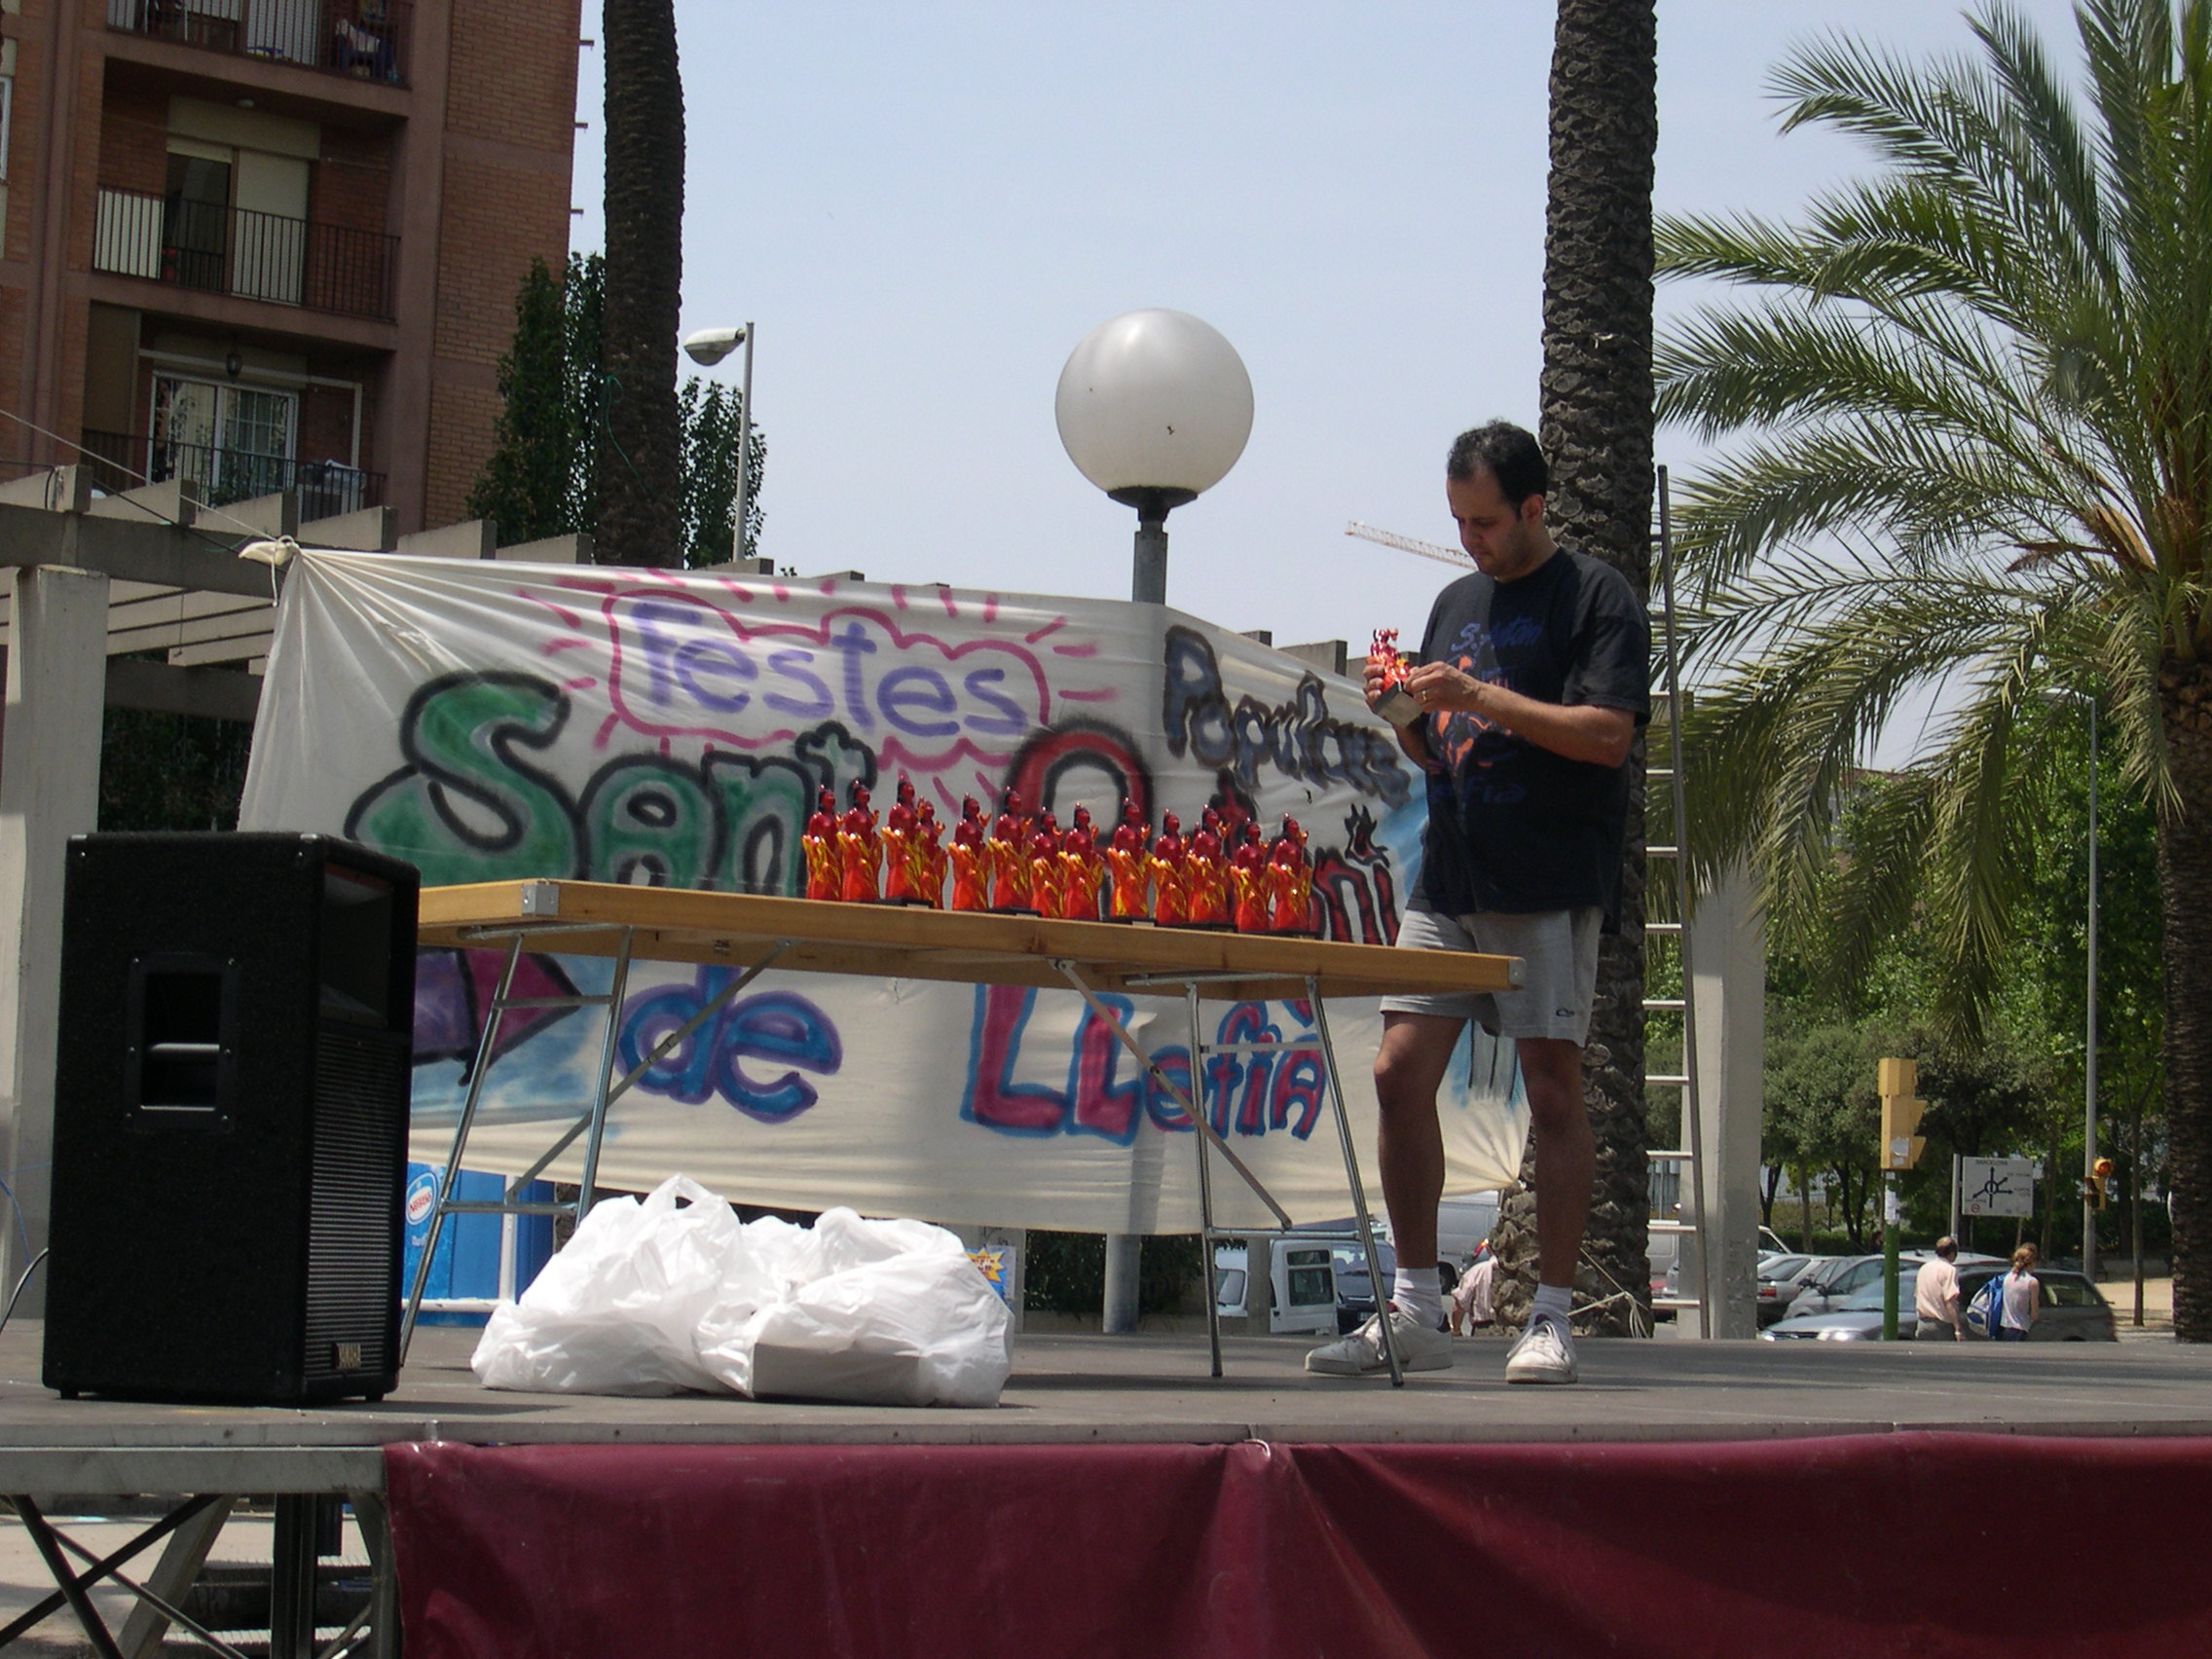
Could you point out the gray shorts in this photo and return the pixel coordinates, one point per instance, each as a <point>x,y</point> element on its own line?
<point>1555,995</point>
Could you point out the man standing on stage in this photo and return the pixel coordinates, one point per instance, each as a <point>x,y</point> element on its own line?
<point>1534,679</point>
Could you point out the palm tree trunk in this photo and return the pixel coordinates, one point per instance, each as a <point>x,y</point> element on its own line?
<point>1595,424</point>
<point>640,445</point>
<point>2184,883</point>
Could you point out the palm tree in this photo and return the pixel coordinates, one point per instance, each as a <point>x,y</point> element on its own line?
<point>1595,424</point>
<point>1973,394</point>
<point>641,446</point>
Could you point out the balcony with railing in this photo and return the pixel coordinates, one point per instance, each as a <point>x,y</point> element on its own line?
<point>219,475</point>
<point>365,39</point>
<point>234,251</point>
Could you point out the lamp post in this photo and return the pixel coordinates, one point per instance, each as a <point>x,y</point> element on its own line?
<point>707,348</point>
<point>2089,1102</point>
<point>1154,407</point>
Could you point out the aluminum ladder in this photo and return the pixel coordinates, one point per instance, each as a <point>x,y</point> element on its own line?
<point>1685,1218</point>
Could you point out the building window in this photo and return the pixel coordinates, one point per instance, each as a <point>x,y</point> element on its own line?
<point>196,215</point>
<point>231,442</point>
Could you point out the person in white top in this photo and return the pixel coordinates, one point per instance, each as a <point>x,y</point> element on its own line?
<point>2018,1297</point>
<point>1936,1295</point>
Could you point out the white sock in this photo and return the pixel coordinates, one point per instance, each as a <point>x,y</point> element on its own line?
<point>1418,1294</point>
<point>1554,1301</point>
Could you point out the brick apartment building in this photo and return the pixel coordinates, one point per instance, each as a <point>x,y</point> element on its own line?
<point>266,245</point>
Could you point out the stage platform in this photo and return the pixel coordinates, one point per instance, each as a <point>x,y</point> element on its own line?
<point>1121,1500</point>
<point>1146,1389</point>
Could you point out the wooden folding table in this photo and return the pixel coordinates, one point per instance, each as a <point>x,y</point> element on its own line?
<point>752,933</point>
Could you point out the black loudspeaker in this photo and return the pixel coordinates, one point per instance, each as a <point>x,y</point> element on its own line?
<point>230,1119</point>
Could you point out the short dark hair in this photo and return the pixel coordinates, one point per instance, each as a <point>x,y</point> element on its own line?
<point>1508,454</point>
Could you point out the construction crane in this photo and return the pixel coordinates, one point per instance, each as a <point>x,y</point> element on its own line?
<point>1408,544</point>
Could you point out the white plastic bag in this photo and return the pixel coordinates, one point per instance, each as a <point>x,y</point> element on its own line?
<point>612,1313</point>
<point>889,1312</point>
<point>651,1298</point>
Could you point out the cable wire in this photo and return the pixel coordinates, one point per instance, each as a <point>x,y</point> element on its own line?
<point>18,1294</point>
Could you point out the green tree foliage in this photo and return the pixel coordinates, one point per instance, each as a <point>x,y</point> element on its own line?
<point>542,478</point>
<point>170,771</point>
<point>708,505</point>
<point>1065,1273</point>
<point>1973,454</point>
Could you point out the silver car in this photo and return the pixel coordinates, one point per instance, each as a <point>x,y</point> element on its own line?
<point>1828,1288</point>
<point>2070,1309</point>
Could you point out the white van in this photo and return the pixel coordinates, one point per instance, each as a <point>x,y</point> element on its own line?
<point>1298,1292</point>
<point>1463,1222</point>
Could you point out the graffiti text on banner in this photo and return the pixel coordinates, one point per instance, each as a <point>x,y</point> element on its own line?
<point>1247,1094</point>
<point>778,1027</point>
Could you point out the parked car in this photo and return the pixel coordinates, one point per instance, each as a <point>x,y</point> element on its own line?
<point>2070,1309</point>
<point>1855,1318</point>
<point>1781,1278</point>
<point>1780,1274</point>
<point>1356,1291</point>
<point>1841,1277</point>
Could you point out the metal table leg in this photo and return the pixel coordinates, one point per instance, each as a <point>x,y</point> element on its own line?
<point>1205,1181</point>
<point>1358,1188</point>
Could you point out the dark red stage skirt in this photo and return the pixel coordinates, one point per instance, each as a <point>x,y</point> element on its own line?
<point>1892,1545</point>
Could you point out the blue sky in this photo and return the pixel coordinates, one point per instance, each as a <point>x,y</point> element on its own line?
<point>925,207</point>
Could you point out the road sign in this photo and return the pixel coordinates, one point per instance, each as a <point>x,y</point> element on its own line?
<point>1996,1186</point>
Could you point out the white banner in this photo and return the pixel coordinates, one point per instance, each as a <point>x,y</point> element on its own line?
<point>493,720</point>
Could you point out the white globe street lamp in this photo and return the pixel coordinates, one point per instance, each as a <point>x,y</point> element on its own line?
<point>707,348</point>
<point>1154,407</point>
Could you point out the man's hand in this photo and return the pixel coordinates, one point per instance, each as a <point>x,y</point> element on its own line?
<point>1371,683</point>
<point>1442,688</point>
<point>1580,732</point>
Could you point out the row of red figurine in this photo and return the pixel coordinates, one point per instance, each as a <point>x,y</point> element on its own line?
<point>1223,875</point>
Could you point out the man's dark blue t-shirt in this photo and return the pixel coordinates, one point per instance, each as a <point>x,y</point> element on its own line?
<point>1511,825</point>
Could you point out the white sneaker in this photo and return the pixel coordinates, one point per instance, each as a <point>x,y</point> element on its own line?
<point>1544,1354</point>
<point>1360,1354</point>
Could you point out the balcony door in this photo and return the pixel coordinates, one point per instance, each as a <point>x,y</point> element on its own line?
<point>196,215</point>
<point>236,220</point>
<point>231,442</point>
<point>271,194</point>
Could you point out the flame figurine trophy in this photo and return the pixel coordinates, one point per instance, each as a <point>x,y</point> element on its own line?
<point>859,850</point>
<point>971,859</point>
<point>1128,859</point>
<point>824,874</point>
<point>898,837</point>
<point>1396,705</point>
<point>1249,881</point>
<point>1045,864</point>
<point>926,858</point>
<point>1205,878</point>
<point>1009,858</point>
<point>1083,871</point>
<point>1166,871</point>
<point>1290,882</point>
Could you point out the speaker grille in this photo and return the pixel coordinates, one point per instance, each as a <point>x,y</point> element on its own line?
<point>354,1207</point>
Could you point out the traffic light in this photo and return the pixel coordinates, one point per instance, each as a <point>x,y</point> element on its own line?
<point>1900,1115</point>
<point>2093,1186</point>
